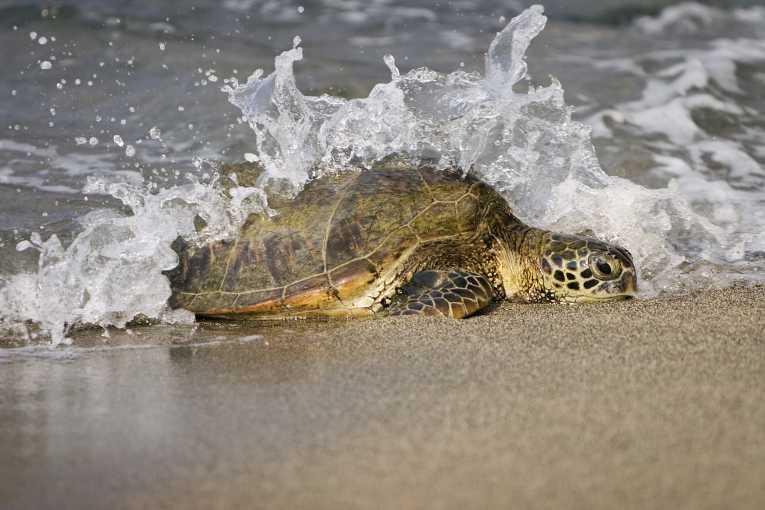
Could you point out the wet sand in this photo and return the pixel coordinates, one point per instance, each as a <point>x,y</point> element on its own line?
<point>643,404</point>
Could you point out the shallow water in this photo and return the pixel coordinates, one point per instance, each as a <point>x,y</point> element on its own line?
<point>110,110</point>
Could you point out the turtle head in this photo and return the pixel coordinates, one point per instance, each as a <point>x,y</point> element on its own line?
<point>580,269</point>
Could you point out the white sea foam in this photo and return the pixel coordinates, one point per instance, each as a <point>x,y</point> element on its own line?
<point>68,168</point>
<point>703,137</point>
<point>112,271</point>
<point>692,17</point>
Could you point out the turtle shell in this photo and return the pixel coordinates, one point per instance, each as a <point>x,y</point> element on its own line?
<point>333,249</point>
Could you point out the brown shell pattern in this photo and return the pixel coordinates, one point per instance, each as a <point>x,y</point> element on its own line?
<point>325,248</point>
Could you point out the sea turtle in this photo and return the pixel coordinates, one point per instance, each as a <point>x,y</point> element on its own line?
<point>395,239</point>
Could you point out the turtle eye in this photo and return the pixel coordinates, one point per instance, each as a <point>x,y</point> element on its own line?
<point>605,268</point>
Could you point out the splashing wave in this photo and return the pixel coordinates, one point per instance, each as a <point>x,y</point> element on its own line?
<point>519,138</point>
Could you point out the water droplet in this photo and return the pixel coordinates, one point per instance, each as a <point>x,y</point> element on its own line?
<point>93,141</point>
<point>301,9</point>
<point>155,133</point>
<point>81,140</point>
<point>162,46</point>
<point>391,63</point>
<point>118,140</point>
<point>33,35</point>
<point>45,65</point>
<point>24,245</point>
<point>250,157</point>
<point>42,40</point>
<point>130,151</point>
<point>296,41</point>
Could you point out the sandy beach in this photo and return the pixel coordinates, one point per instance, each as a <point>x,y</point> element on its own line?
<point>642,404</point>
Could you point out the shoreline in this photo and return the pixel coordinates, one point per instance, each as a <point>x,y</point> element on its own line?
<point>636,404</point>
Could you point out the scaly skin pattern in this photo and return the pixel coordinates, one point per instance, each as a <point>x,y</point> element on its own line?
<point>349,243</point>
<point>454,294</point>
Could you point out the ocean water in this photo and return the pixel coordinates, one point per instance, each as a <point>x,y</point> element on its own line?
<point>642,121</point>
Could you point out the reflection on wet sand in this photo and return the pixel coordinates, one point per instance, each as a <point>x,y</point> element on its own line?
<point>595,406</point>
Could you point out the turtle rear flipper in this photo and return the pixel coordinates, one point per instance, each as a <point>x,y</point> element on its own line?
<point>454,294</point>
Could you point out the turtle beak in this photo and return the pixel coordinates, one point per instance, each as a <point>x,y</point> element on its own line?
<point>629,283</point>
<point>625,287</point>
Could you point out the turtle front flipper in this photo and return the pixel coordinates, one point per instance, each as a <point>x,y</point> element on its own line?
<point>454,294</point>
